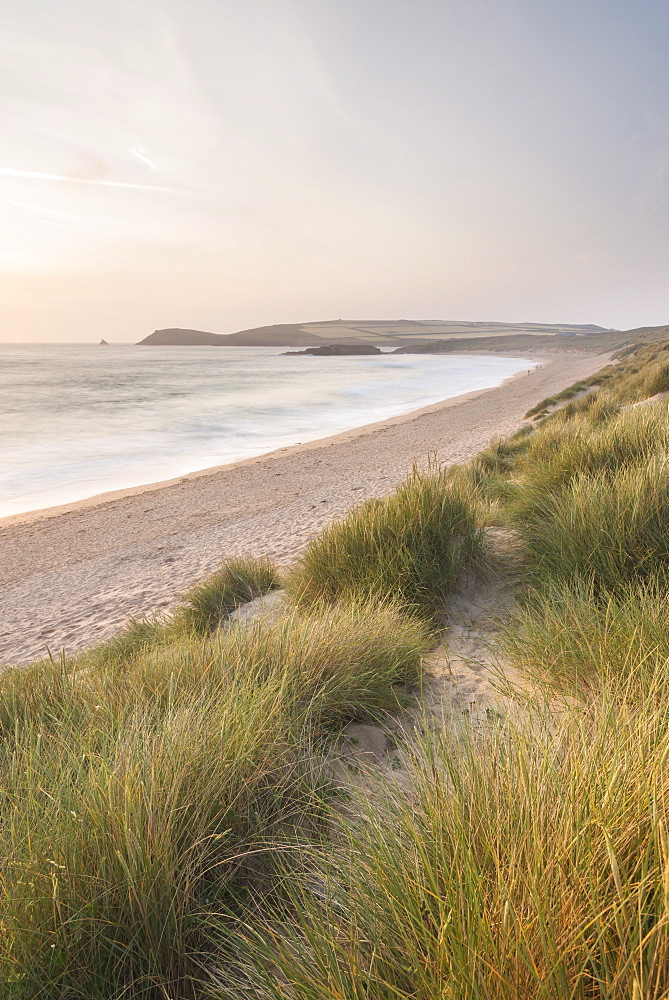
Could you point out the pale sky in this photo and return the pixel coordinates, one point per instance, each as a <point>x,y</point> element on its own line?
<point>223,164</point>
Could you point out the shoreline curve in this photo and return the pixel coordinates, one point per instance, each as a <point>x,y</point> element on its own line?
<point>108,496</point>
<point>71,577</point>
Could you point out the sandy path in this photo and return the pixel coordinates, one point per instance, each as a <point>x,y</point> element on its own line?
<point>71,578</point>
<point>468,685</point>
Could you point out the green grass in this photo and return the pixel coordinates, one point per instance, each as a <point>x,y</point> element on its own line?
<point>502,454</point>
<point>652,378</point>
<point>138,796</point>
<point>203,608</point>
<point>237,582</point>
<point>529,862</point>
<point>571,639</point>
<point>587,444</point>
<point>600,529</point>
<point>172,823</point>
<point>409,547</point>
<point>134,638</point>
<point>559,397</point>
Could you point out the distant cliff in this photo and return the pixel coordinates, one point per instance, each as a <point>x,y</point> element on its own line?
<point>280,335</point>
<point>386,334</point>
<point>332,350</point>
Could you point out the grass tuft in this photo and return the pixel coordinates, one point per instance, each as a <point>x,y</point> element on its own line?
<point>571,639</point>
<point>409,547</point>
<point>237,582</point>
<point>526,862</point>
<point>136,805</point>
<point>600,529</point>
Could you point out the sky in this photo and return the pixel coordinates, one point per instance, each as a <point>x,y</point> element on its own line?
<point>225,164</point>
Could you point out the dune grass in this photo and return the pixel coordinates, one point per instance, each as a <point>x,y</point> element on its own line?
<point>203,608</point>
<point>649,378</point>
<point>170,822</point>
<point>501,455</point>
<point>587,492</point>
<point>655,379</point>
<point>603,528</point>
<point>237,582</point>
<point>138,795</point>
<point>575,640</point>
<point>559,397</point>
<point>528,862</point>
<point>596,438</point>
<point>409,547</point>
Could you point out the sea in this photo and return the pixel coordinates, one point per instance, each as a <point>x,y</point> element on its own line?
<point>76,421</point>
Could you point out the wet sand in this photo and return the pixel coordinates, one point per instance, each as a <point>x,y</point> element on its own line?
<point>72,575</point>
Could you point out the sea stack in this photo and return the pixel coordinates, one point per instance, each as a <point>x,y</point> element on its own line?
<point>103,343</point>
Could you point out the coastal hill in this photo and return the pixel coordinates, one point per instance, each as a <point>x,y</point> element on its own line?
<point>280,335</point>
<point>423,337</point>
<point>383,333</point>
<point>596,342</point>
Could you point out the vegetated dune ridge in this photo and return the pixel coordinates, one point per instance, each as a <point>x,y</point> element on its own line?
<point>71,579</point>
<point>312,807</point>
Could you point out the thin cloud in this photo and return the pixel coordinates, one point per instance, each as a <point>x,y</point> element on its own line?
<point>62,220</point>
<point>37,213</point>
<point>143,158</point>
<point>38,176</point>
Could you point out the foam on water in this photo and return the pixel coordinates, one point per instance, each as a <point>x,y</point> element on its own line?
<point>78,421</point>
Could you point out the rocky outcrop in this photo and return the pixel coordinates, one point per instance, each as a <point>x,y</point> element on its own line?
<point>336,350</point>
<point>103,343</point>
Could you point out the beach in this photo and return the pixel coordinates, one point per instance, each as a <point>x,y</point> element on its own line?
<point>70,576</point>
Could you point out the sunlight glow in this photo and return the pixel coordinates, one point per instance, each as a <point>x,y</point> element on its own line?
<point>35,175</point>
<point>468,160</point>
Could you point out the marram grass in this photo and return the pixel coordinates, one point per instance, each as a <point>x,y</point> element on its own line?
<point>570,638</point>
<point>409,547</point>
<point>560,451</point>
<point>601,529</point>
<point>137,798</point>
<point>527,863</point>
<point>203,608</point>
<point>237,582</point>
<point>167,826</point>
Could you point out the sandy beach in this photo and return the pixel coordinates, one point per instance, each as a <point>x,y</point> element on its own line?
<point>70,576</point>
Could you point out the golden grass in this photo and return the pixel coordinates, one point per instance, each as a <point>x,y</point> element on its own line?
<point>167,826</point>
<point>409,547</point>
<point>138,794</point>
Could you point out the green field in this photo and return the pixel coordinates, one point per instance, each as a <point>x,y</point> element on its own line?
<point>402,332</point>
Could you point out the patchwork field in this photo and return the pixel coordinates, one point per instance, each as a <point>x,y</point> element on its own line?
<point>400,332</point>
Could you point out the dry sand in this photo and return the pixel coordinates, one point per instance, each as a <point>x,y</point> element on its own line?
<point>70,576</point>
<point>468,685</point>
